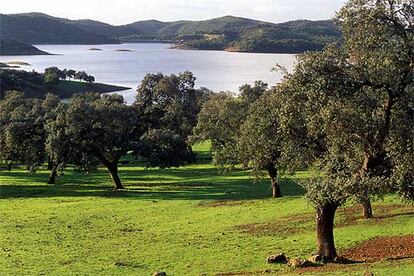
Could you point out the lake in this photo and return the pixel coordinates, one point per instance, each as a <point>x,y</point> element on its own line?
<point>216,70</point>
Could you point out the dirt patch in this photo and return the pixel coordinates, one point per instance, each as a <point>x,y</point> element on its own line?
<point>382,248</point>
<point>366,255</point>
<point>347,216</point>
<point>288,225</point>
<point>352,215</point>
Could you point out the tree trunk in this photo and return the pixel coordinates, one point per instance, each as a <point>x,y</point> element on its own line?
<point>325,215</point>
<point>275,183</point>
<point>367,209</point>
<point>364,200</point>
<point>53,173</point>
<point>49,164</point>
<point>374,161</point>
<point>113,171</point>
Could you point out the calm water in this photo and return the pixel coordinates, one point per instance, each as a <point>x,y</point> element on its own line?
<point>216,70</point>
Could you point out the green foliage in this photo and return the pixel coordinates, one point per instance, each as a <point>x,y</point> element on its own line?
<point>260,141</point>
<point>219,121</point>
<point>22,132</point>
<point>100,125</point>
<point>92,128</point>
<point>164,148</point>
<point>355,99</point>
<point>168,107</point>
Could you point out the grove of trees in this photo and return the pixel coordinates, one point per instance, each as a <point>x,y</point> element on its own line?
<point>92,129</point>
<point>347,112</point>
<point>52,75</point>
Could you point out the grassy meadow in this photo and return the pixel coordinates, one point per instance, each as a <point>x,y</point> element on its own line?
<point>184,221</point>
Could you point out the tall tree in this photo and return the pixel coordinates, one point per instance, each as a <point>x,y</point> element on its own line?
<point>260,142</point>
<point>379,39</point>
<point>356,103</point>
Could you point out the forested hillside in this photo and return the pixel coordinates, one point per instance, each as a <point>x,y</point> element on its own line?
<point>35,28</point>
<point>224,33</point>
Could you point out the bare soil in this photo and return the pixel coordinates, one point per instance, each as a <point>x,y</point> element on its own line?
<point>347,216</point>
<point>382,248</point>
<point>368,253</point>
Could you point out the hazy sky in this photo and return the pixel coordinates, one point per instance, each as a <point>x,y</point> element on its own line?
<point>127,11</point>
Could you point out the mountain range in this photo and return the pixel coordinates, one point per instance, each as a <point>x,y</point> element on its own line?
<point>224,33</point>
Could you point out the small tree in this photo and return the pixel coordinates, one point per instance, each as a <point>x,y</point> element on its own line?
<point>70,73</point>
<point>219,121</point>
<point>81,75</point>
<point>51,79</point>
<point>90,79</point>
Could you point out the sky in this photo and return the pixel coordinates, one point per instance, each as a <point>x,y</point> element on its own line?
<point>127,11</point>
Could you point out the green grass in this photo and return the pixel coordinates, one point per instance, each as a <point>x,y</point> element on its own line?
<point>183,221</point>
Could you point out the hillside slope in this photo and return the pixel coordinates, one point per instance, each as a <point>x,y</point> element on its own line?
<point>224,33</point>
<point>35,28</point>
<point>240,34</point>
<point>14,48</point>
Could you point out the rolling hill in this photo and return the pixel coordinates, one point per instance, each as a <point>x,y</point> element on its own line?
<point>37,28</point>
<point>224,33</point>
<point>12,47</point>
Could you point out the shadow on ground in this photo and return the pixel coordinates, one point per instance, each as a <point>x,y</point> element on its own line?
<point>184,184</point>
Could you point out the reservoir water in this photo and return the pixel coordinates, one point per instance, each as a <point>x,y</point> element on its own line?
<point>216,70</point>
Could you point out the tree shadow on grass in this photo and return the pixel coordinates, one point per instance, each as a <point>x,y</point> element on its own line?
<point>183,184</point>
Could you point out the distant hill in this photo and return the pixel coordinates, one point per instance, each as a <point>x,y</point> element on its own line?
<point>240,34</point>
<point>12,47</point>
<point>37,28</point>
<point>224,33</point>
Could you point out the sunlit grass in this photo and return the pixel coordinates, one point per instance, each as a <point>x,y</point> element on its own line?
<point>184,221</point>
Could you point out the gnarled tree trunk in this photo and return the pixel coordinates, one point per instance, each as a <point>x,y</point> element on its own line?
<point>113,171</point>
<point>112,167</point>
<point>325,215</point>
<point>275,183</point>
<point>53,174</point>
